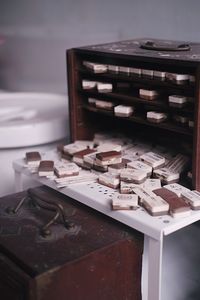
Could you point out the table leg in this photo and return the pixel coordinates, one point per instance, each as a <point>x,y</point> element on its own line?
<point>152,268</point>
<point>18,181</point>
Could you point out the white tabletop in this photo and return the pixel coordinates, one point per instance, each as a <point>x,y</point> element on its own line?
<point>98,197</point>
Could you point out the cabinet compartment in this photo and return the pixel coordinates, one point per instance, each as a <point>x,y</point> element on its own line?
<point>86,119</point>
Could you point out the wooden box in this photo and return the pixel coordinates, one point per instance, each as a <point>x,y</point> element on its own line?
<point>97,258</point>
<point>132,59</point>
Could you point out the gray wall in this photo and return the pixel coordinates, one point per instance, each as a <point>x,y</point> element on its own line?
<point>37,33</point>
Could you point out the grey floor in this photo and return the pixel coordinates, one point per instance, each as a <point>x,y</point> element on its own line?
<point>181,265</point>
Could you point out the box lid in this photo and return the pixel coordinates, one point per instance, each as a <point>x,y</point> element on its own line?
<point>133,48</point>
<point>20,237</point>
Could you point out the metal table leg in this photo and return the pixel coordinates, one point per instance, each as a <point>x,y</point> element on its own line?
<point>152,268</point>
<point>18,181</point>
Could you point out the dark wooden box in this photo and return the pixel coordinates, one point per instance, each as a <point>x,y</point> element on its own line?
<point>96,259</point>
<point>85,120</point>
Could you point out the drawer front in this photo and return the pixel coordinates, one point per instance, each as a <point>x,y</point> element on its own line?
<point>13,281</point>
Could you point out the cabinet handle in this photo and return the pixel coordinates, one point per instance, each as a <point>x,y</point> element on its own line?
<point>149,45</point>
<point>42,202</point>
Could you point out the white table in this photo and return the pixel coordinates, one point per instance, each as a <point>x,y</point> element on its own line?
<point>154,228</point>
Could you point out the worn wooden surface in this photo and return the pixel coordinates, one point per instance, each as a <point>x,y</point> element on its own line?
<point>97,258</point>
<point>85,121</point>
<point>132,48</point>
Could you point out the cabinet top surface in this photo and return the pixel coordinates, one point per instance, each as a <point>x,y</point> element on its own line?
<point>20,233</point>
<point>133,48</point>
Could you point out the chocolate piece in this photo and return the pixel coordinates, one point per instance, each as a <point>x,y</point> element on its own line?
<point>147,73</point>
<point>108,146</point>
<point>130,157</point>
<point>192,198</point>
<point>177,206</point>
<point>133,176</point>
<point>159,75</point>
<point>92,101</point>
<point>153,159</point>
<point>125,161</point>
<point>171,172</point>
<point>123,110</point>
<point>116,140</point>
<point>104,87</point>
<point>65,156</point>
<point>78,157</point>
<point>166,176</point>
<point>60,148</point>
<point>178,163</point>
<point>71,149</point>
<point>119,166</point>
<point>114,160</point>
<point>124,70</point>
<point>192,78</point>
<point>151,184</point>
<point>124,202</point>
<point>139,165</point>
<point>104,156</point>
<point>181,119</point>
<point>177,100</point>
<point>100,168</point>
<point>135,72</point>
<point>104,104</point>
<point>95,67</point>
<point>178,78</point>
<point>84,143</point>
<point>115,169</point>
<point>33,158</point>
<point>89,159</point>
<point>46,165</point>
<point>82,177</point>
<point>127,188</point>
<point>156,117</point>
<point>108,180</point>
<point>176,188</point>
<point>191,123</point>
<point>66,169</point>
<point>46,168</point>
<point>113,69</point>
<point>138,149</point>
<point>148,94</point>
<point>189,175</point>
<point>154,204</point>
<point>88,85</point>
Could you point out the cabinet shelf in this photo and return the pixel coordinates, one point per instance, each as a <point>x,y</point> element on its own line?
<point>143,81</point>
<point>123,98</point>
<point>141,120</point>
<point>129,99</point>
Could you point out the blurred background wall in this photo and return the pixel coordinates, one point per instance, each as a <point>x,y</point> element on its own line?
<point>38,32</point>
<point>32,58</point>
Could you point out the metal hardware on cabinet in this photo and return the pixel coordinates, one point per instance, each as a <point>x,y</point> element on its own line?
<point>14,210</point>
<point>42,202</point>
<point>150,45</point>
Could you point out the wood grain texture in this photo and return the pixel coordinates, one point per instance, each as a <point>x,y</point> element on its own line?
<point>130,54</point>
<point>98,258</point>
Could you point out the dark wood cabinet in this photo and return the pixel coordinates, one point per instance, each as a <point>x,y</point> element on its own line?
<point>85,119</point>
<point>96,258</point>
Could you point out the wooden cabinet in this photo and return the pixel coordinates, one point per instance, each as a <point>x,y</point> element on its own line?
<point>86,119</point>
<point>97,258</point>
